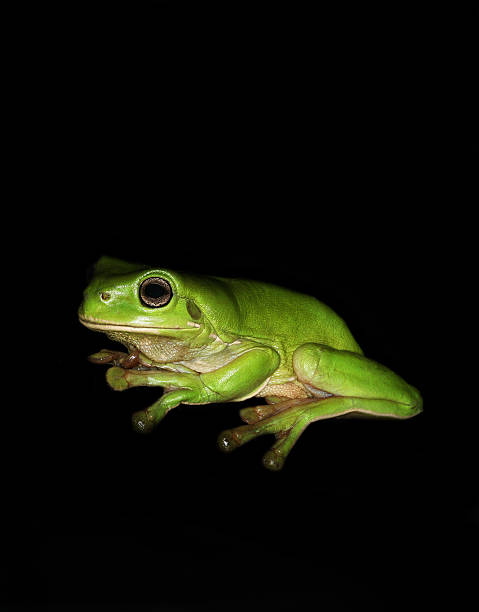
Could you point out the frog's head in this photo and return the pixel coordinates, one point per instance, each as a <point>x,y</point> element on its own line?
<point>128,297</point>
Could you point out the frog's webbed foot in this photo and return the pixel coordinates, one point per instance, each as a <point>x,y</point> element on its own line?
<point>289,419</point>
<point>286,420</point>
<point>178,387</point>
<point>116,358</point>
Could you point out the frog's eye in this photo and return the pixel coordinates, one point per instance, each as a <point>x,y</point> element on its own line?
<point>155,292</point>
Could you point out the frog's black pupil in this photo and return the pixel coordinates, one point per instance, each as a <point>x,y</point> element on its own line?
<point>155,290</point>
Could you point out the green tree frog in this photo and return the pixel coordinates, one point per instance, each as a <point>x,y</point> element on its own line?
<point>206,339</point>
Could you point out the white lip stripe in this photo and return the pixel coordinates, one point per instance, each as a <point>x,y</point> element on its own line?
<point>130,328</point>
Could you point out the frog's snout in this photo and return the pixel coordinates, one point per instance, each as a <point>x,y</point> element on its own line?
<point>95,302</point>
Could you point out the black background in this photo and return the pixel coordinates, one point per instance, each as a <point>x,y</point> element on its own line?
<point>298,149</point>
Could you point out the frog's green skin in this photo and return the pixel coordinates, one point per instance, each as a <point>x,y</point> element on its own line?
<point>224,340</point>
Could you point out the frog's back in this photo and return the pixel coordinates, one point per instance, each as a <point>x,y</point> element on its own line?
<point>289,315</point>
<point>274,314</point>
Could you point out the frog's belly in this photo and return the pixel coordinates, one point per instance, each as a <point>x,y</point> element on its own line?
<point>288,390</point>
<point>292,390</point>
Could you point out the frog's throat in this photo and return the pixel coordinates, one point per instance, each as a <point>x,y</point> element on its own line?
<point>133,328</point>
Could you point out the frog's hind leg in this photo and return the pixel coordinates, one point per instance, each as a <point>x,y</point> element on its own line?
<point>287,423</point>
<point>345,382</point>
<point>290,423</point>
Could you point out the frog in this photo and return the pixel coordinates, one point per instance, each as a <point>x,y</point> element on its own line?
<point>209,339</point>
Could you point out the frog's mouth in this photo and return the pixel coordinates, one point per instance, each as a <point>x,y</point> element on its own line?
<point>105,326</point>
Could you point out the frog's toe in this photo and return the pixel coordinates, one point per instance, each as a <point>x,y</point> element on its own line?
<point>253,414</point>
<point>142,422</point>
<point>249,415</point>
<point>107,356</point>
<point>116,378</point>
<point>228,440</point>
<point>273,460</point>
<point>102,356</point>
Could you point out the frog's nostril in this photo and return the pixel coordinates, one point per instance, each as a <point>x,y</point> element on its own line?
<point>105,296</point>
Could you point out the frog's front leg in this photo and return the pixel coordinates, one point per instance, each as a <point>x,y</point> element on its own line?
<point>118,358</point>
<point>240,378</point>
<point>355,384</point>
<point>179,387</point>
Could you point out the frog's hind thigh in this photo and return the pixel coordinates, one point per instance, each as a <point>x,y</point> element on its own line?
<point>374,389</point>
